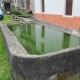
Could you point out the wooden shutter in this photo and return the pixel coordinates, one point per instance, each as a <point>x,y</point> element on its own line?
<point>42,5</point>
<point>69,4</point>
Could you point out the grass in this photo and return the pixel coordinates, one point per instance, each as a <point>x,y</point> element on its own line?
<point>5,69</point>
<point>7,20</point>
<point>26,15</point>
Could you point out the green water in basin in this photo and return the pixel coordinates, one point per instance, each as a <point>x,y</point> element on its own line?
<point>37,39</point>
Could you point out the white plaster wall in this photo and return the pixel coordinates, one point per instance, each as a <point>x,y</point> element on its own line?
<point>37,6</point>
<point>51,6</point>
<point>32,5</point>
<point>54,6</point>
<point>76,8</point>
<point>57,7</point>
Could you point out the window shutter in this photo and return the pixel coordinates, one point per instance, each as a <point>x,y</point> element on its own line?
<point>42,5</point>
<point>69,7</point>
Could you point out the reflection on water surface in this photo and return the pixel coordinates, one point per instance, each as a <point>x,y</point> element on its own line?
<point>37,39</point>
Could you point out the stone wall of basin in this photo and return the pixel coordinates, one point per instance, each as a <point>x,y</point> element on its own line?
<point>51,66</point>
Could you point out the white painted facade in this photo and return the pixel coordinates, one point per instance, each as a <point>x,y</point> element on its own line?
<point>32,5</point>
<point>57,7</point>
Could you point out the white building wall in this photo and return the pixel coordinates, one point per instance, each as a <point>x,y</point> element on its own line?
<point>54,6</point>
<point>37,6</point>
<point>76,8</point>
<point>57,7</point>
<point>51,6</point>
<point>32,5</point>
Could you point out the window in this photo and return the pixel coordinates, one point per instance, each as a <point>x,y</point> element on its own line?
<point>69,4</point>
<point>42,5</point>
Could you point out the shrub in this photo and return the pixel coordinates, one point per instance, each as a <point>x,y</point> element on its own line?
<point>16,11</point>
<point>19,12</point>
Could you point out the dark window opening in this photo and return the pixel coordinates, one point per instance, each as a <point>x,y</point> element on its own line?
<point>69,4</point>
<point>42,5</point>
